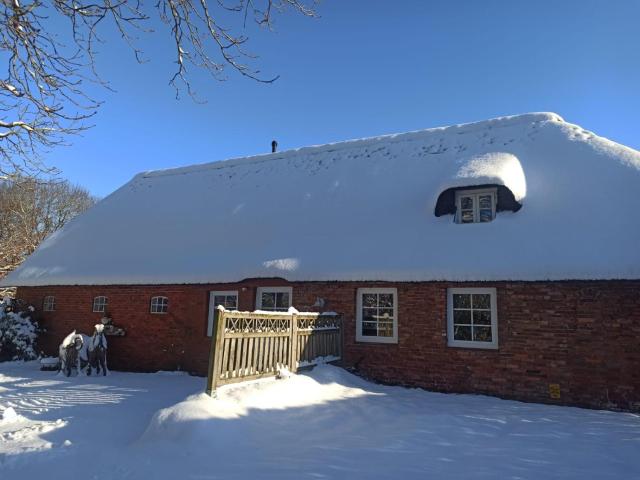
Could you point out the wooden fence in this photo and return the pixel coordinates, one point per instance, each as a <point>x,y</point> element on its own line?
<point>249,345</point>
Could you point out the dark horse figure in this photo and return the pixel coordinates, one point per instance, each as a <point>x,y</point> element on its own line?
<point>98,351</point>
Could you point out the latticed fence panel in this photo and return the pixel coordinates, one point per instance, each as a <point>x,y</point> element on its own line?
<point>249,345</point>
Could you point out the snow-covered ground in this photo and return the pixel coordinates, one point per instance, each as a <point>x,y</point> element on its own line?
<point>323,424</point>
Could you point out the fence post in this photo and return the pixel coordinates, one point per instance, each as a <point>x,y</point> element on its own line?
<point>215,352</point>
<point>293,357</point>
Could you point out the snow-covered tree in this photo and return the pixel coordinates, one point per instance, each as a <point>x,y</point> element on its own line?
<point>18,333</point>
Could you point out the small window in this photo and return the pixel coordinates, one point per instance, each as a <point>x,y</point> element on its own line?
<point>228,299</point>
<point>100,304</point>
<point>274,299</point>
<point>472,319</point>
<point>377,315</point>
<point>49,304</point>
<point>475,206</point>
<point>159,305</point>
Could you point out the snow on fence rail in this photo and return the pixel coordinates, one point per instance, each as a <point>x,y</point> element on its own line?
<point>250,345</point>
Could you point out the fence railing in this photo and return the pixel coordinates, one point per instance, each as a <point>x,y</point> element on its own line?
<point>250,345</point>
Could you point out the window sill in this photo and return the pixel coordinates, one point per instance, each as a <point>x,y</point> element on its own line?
<point>379,340</point>
<point>473,345</point>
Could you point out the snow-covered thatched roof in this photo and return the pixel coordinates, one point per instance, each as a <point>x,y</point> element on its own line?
<point>364,210</point>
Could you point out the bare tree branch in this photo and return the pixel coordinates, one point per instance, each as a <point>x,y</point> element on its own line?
<point>30,211</point>
<point>43,97</point>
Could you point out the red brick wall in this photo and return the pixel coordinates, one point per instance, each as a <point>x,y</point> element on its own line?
<point>584,336</point>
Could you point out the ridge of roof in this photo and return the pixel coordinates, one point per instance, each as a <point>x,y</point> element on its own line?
<point>463,128</point>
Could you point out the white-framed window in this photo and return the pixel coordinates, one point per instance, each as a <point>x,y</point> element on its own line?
<point>228,299</point>
<point>476,206</point>
<point>275,299</point>
<point>377,315</point>
<point>100,304</point>
<point>49,303</point>
<point>159,305</point>
<point>472,318</point>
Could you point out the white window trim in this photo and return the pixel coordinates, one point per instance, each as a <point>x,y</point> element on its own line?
<point>476,203</point>
<point>370,339</point>
<point>151,305</point>
<point>45,305</point>
<point>451,342</point>
<point>261,290</point>
<point>104,305</point>
<point>212,308</point>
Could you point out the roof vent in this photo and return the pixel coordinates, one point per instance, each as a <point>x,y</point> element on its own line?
<point>274,146</point>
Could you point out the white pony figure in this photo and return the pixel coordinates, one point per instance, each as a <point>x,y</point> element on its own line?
<point>98,351</point>
<point>72,351</point>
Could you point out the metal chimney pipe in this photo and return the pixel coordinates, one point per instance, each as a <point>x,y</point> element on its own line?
<point>274,146</point>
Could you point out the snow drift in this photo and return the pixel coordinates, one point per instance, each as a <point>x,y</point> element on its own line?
<point>183,422</point>
<point>328,423</point>
<point>364,210</point>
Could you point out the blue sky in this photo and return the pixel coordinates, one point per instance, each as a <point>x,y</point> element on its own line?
<point>366,68</point>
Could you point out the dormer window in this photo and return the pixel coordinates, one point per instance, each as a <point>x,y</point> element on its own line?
<point>475,206</point>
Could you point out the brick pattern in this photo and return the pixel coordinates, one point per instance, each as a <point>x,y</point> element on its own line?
<point>581,335</point>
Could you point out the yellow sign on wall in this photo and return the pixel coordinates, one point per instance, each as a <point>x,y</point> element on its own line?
<point>554,391</point>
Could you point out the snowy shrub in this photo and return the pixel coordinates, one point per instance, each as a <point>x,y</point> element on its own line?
<point>18,333</point>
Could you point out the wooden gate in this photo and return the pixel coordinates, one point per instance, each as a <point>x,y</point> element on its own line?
<point>249,345</point>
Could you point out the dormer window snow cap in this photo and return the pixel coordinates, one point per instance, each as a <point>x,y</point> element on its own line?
<point>476,206</point>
